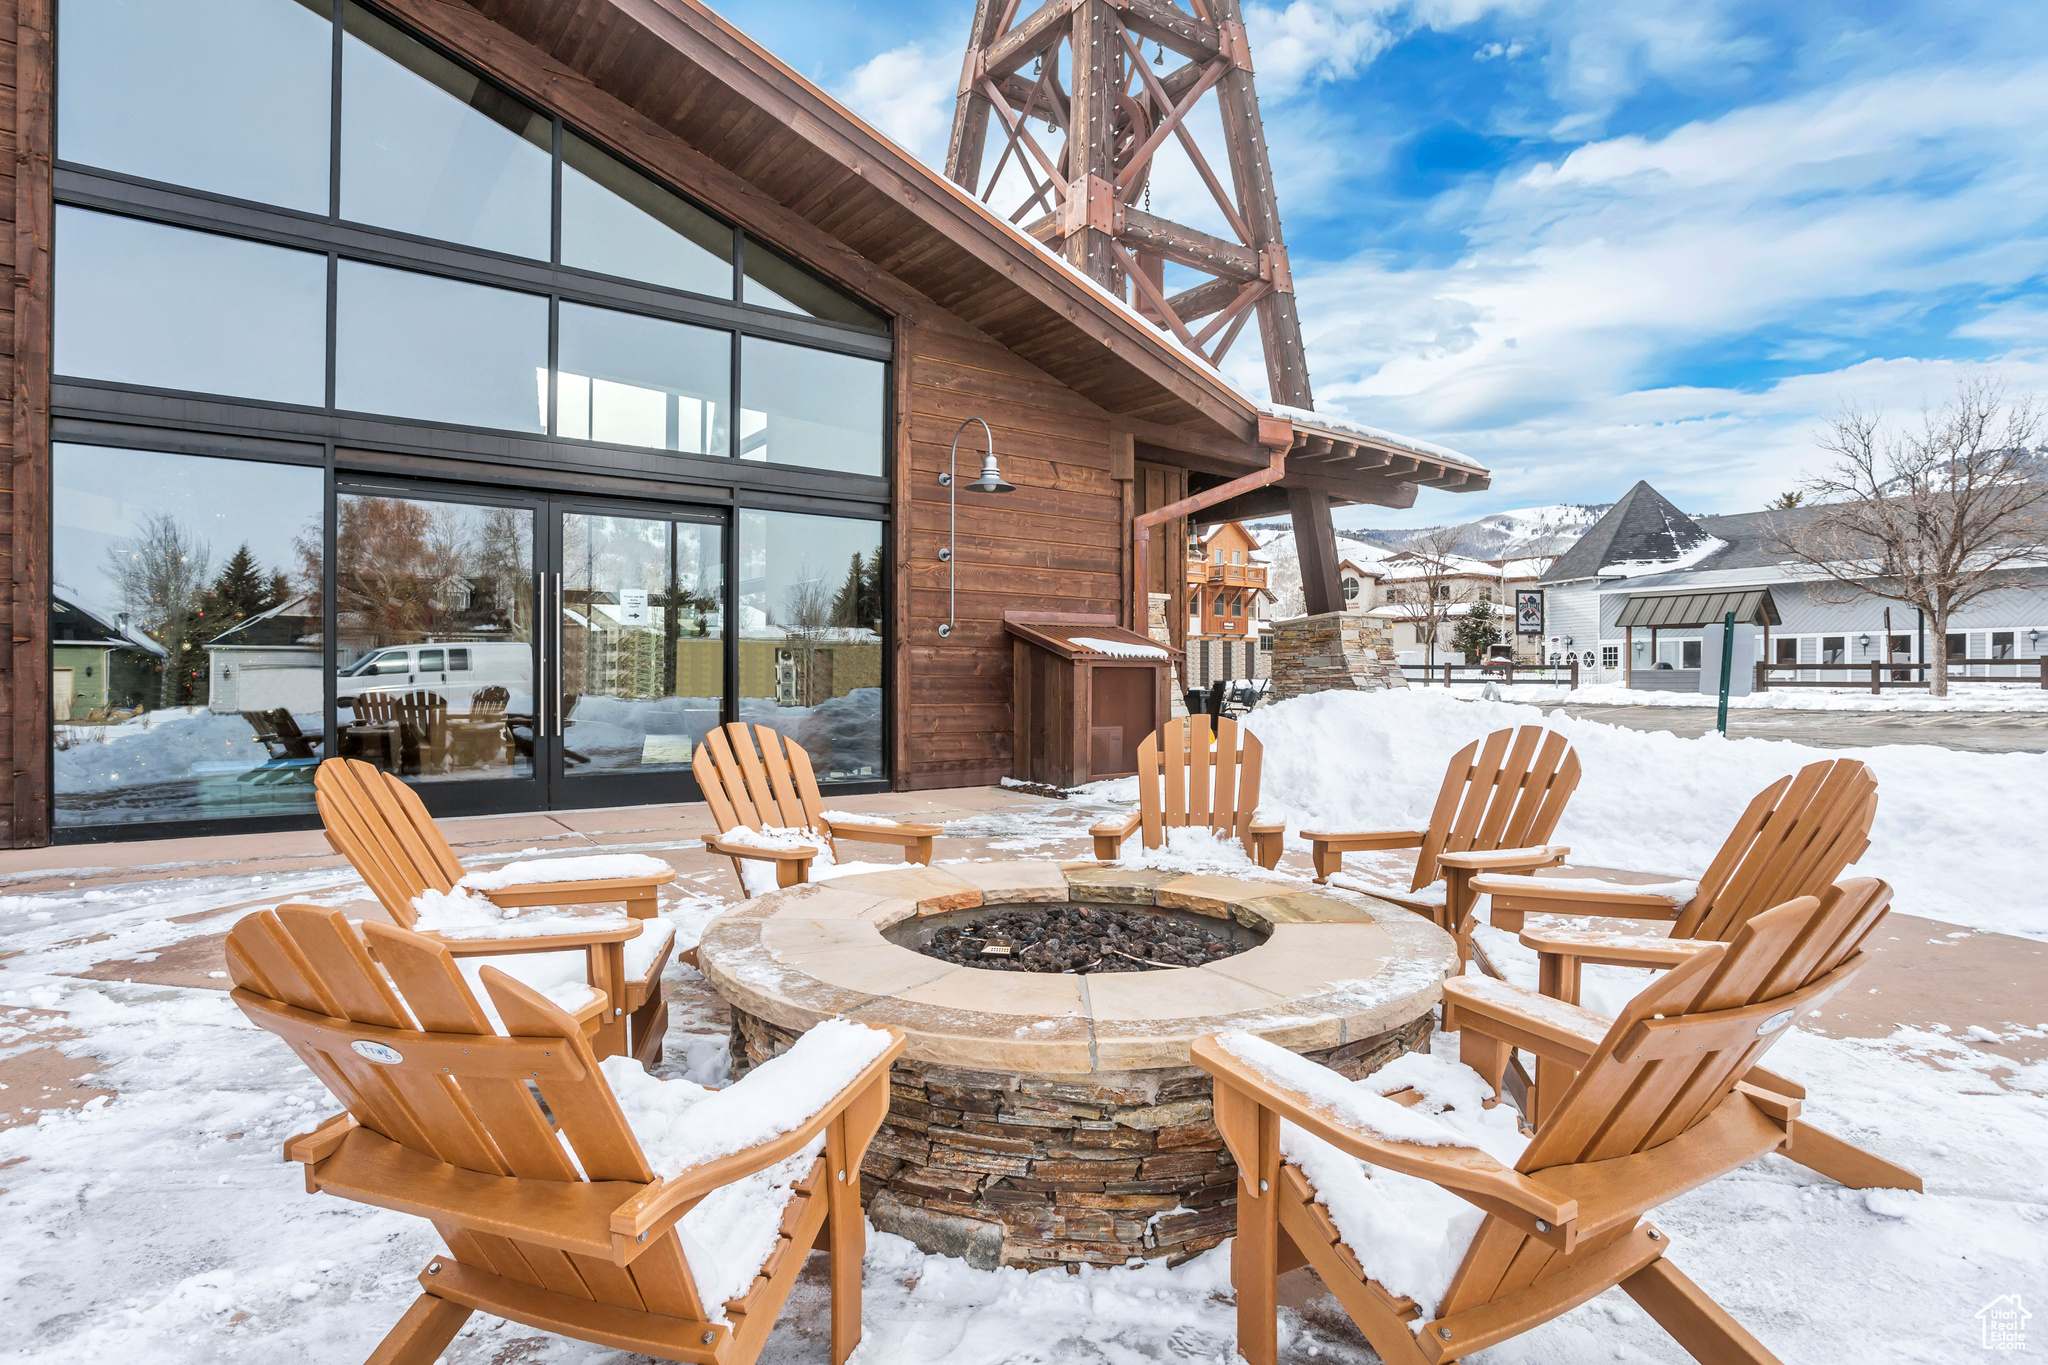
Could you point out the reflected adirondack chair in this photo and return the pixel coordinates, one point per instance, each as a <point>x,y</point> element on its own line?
<point>513,1143</point>
<point>1660,1106</point>
<point>1201,774</point>
<point>379,824</point>
<point>1500,801</point>
<point>1796,837</point>
<point>755,778</point>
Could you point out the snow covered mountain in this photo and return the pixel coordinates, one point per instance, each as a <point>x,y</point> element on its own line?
<point>1504,535</point>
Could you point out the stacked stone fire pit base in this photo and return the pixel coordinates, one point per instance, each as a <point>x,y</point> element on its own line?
<point>1046,1119</point>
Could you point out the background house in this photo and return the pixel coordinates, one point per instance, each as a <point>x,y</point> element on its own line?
<point>1645,547</point>
<point>1229,606</point>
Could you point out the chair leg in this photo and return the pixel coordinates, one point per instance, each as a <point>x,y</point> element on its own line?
<point>1325,859</point>
<point>1255,1272</point>
<point>1696,1322</point>
<point>847,1229</point>
<point>1845,1162</point>
<point>650,1023</point>
<point>422,1334</point>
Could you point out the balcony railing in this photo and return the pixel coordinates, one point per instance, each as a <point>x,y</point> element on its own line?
<point>1246,575</point>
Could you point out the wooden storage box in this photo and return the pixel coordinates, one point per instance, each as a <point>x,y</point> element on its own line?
<point>1087,692</point>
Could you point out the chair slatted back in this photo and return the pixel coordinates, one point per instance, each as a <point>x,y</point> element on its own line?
<point>488,703</point>
<point>380,825</point>
<point>456,1092</point>
<point>754,776</point>
<point>1507,790</point>
<point>1673,1056</point>
<point>1795,839</point>
<point>1199,772</point>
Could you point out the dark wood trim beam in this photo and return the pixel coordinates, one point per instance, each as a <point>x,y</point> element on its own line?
<point>1033,34</point>
<point>1190,246</point>
<point>28,683</point>
<point>1315,543</point>
<point>1171,27</point>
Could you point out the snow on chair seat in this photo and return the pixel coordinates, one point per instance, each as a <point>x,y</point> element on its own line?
<point>588,1200</point>
<point>379,824</point>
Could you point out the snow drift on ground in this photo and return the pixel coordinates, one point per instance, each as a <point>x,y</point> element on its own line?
<point>1957,833</point>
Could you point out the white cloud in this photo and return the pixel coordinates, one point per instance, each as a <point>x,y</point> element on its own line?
<point>1833,217</point>
<point>907,93</point>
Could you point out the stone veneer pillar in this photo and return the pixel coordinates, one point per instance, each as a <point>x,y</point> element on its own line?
<point>1335,651</point>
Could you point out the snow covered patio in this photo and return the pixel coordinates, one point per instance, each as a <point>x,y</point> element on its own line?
<point>148,1214</point>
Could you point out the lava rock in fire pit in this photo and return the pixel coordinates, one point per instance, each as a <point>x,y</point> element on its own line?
<point>1079,938</point>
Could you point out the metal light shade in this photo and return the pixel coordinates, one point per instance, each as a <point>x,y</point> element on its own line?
<point>991,480</point>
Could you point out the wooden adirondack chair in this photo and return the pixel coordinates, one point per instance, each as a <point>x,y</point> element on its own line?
<point>1562,952</point>
<point>1500,801</point>
<point>448,1119</point>
<point>1659,1107</point>
<point>1795,838</point>
<point>379,824</point>
<point>1190,775</point>
<point>754,778</point>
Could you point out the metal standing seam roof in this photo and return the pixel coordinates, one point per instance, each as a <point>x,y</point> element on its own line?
<point>1752,606</point>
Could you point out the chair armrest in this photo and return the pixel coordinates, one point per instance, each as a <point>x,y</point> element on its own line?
<point>598,891</point>
<point>1268,826</point>
<point>1505,859</point>
<point>1117,827</point>
<point>1613,949</point>
<point>766,855</point>
<point>1363,840</point>
<point>877,834</point>
<point>1466,1171</point>
<point>1525,1019</point>
<point>539,943</point>
<point>864,1101</point>
<point>1572,896</point>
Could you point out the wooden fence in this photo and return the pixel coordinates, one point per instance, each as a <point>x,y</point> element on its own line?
<point>1882,676</point>
<point>1431,675</point>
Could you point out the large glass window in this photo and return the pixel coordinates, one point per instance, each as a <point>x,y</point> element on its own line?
<point>800,406</point>
<point>430,149</point>
<point>643,641</point>
<point>141,303</point>
<point>618,222</point>
<point>186,644</point>
<point>773,282</point>
<point>440,350</point>
<point>811,637</point>
<point>640,381</point>
<point>229,96</point>
<point>434,605</point>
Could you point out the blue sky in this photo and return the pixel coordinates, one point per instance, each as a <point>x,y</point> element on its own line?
<point>1589,242</point>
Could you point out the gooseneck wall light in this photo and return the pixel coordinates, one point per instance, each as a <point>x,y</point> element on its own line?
<point>991,481</point>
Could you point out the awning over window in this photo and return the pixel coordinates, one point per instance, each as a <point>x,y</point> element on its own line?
<point>1752,607</point>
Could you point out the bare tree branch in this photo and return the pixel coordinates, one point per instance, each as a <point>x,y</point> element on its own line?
<point>1928,515</point>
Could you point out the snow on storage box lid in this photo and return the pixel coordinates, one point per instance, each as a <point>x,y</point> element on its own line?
<point>1085,637</point>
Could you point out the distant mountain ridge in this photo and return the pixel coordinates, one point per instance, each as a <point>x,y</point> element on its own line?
<point>1504,535</point>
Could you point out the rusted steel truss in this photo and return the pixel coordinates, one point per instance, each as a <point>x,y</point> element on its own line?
<point>1103,128</point>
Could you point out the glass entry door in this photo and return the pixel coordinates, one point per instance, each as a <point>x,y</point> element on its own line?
<point>639,652</point>
<point>524,652</point>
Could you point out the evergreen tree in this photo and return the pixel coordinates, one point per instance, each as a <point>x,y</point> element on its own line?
<point>846,604</point>
<point>858,603</point>
<point>1476,632</point>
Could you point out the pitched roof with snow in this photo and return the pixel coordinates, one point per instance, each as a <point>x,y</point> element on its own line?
<point>1642,530</point>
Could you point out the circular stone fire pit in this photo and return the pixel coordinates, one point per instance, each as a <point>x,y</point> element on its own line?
<point>1051,1117</point>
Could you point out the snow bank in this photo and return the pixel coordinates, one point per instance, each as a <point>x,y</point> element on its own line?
<point>1956,832</point>
<point>1964,696</point>
<point>158,746</point>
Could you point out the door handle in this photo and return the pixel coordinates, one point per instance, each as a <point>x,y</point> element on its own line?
<point>540,677</point>
<point>558,656</point>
